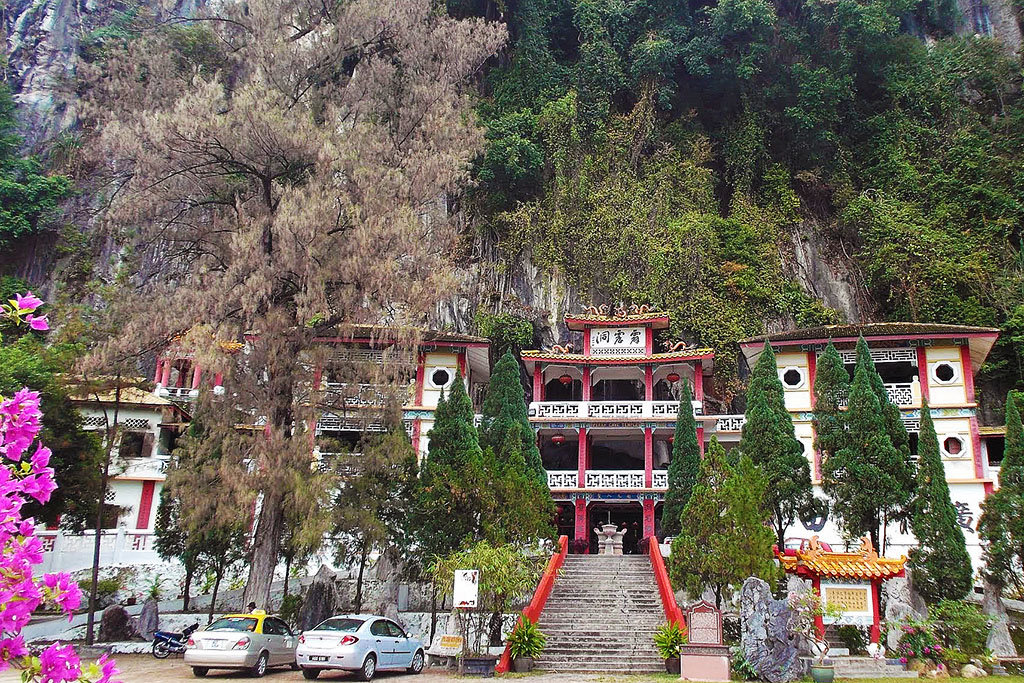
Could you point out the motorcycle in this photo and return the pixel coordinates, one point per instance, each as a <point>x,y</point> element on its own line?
<point>166,642</point>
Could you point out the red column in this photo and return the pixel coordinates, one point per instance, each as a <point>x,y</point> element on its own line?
<point>159,370</point>
<point>979,466</point>
<point>876,629</point>
<point>196,374</point>
<point>145,505</point>
<point>586,383</point>
<point>819,623</point>
<point>460,360</point>
<point>581,520</point>
<point>586,341</point>
<point>649,458</point>
<point>965,363</point>
<point>922,372</point>
<point>648,341</point>
<point>167,373</point>
<point>648,383</point>
<point>420,371</point>
<point>648,504</point>
<point>812,370</point>
<point>698,382</point>
<point>700,437</point>
<point>581,464</point>
<point>218,379</point>
<point>538,383</point>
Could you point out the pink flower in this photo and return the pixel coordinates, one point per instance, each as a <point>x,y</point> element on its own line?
<point>108,669</point>
<point>28,302</point>
<point>11,648</point>
<point>37,323</point>
<point>64,592</point>
<point>903,660</point>
<point>59,663</point>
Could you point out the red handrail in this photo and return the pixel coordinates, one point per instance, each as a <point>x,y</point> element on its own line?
<point>668,597</point>
<point>540,597</point>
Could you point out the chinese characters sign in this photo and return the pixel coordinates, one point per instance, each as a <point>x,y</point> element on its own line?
<point>705,624</point>
<point>618,341</point>
<point>854,599</point>
<point>467,588</point>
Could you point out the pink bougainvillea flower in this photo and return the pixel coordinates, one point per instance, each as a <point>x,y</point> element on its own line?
<point>27,302</point>
<point>11,648</point>
<point>37,323</point>
<point>59,663</point>
<point>108,670</point>
<point>64,592</point>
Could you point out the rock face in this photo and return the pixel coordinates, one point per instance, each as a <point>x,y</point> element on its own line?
<point>901,603</point>
<point>149,618</point>
<point>999,640</point>
<point>766,636</point>
<point>320,600</point>
<point>115,625</point>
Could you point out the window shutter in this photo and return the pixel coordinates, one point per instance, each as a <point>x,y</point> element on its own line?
<point>148,441</point>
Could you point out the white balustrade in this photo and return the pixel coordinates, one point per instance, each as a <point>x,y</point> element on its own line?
<point>615,479</point>
<point>660,480</point>
<point>558,410</point>
<point>902,394</point>
<point>616,410</point>
<point>563,479</point>
<point>729,423</point>
<point>607,410</point>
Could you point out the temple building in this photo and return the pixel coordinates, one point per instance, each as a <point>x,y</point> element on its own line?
<point>605,419</point>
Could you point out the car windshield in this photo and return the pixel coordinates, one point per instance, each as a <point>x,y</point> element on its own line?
<point>233,624</point>
<point>339,624</point>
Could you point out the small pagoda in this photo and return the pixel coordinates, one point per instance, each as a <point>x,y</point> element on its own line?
<point>849,581</point>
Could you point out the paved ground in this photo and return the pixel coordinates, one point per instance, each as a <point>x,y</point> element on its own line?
<point>146,669</point>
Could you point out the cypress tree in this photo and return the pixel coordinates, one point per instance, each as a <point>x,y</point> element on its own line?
<point>831,389</point>
<point>769,440</point>
<point>942,567</point>
<point>506,419</point>
<point>859,477</point>
<point>684,466</point>
<point>1001,527</point>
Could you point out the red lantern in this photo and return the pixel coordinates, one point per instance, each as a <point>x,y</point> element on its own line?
<point>565,379</point>
<point>672,377</point>
<point>672,439</point>
<point>558,439</point>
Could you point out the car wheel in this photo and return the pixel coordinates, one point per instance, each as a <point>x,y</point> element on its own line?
<point>261,665</point>
<point>417,663</point>
<point>199,671</point>
<point>295,666</point>
<point>369,668</point>
<point>310,674</point>
<point>160,650</point>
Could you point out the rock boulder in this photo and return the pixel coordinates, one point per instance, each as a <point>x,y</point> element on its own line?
<point>767,638</point>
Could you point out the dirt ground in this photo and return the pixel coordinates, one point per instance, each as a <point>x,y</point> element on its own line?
<point>146,669</point>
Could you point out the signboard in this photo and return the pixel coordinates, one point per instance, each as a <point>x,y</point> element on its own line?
<point>618,341</point>
<point>467,588</point>
<point>704,624</point>
<point>853,598</point>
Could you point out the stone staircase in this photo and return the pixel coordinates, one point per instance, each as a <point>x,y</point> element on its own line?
<point>866,667</point>
<point>601,616</point>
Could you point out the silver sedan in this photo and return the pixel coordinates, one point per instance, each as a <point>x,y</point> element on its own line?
<point>364,643</point>
<point>254,642</point>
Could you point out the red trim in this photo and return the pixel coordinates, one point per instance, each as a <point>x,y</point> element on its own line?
<point>586,341</point>
<point>922,373</point>
<point>649,341</point>
<point>580,521</point>
<point>648,507</point>
<point>420,371</point>
<point>979,467</point>
<point>876,621</point>
<point>698,382</point>
<point>580,359</point>
<point>648,383</point>
<point>416,437</point>
<point>649,467</point>
<point>574,322</point>
<point>819,623</point>
<point>700,438</point>
<point>587,389</point>
<point>390,342</point>
<point>540,597</point>
<point>968,370</point>
<point>812,370</point>
<point>884,337</point>
<point>538,383</point>
<point>668,597</point>
<point>145,504</point>
<point>581,463</point>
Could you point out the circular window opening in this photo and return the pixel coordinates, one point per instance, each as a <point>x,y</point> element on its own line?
<point>440,377</point>
<point>792,377</point>
<point>944,372</point>
<point>953,445</point>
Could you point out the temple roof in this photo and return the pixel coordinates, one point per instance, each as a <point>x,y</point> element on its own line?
<point>684,355</point>
<point>859,565</point>
<point>593,318</point>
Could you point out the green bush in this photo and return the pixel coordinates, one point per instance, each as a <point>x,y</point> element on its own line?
<point>854,638</point>
<point>741,668</point>
<point>290,606</point>
<point>526,640</point>
<point>668,639</point>
<point>105,590</point>
<point>960,626</point>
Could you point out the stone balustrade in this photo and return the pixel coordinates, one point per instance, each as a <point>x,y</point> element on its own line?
<point>607,410</point>
<point>606,479</point>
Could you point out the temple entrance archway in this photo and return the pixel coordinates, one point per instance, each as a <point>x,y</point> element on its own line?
<point>629,514</point>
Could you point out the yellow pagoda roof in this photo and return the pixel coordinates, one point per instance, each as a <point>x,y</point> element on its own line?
<point>858,565</point>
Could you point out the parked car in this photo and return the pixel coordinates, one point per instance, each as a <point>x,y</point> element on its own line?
<point>364,643</point>
<point>253,641</point>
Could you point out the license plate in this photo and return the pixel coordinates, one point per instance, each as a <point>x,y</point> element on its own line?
<point>217,644</point>
<point>316,658</point>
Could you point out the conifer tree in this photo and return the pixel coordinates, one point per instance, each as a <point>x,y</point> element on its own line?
<point>831,389</point>
<point>770,442</point>
<point>1001,527</point>
<point>506,419</point>
<point>726,537</point>
<point>684,466</point>
<point>862,478</point>
<point>942,567</point>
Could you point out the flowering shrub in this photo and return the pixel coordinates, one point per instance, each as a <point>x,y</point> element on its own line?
<point>807,606</point>
<point>918,641</point>
<point>25,473</point>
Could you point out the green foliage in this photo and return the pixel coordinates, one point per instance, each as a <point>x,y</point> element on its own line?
<point>853,638</point>
<point>1001,527</point>
<point>291,605</point>
<point>507,332</point>
<point>960,626</point>
<point>526,640</point>
<point>769,440</point>
<point>918,641</point>
<point>684,466</point>
<point>506,422</point>
<point>941,564</point>
<point>28,195</point>
<point>831,389</point>
<point>105,589</point>
<point>741,669</point>
<point>668,639</point>
<point>120,27</point>
<point>726,538</point>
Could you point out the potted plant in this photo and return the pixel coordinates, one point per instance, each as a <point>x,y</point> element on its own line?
<point>525,645</point>
<point>807,607</point>
<point>668,639</point>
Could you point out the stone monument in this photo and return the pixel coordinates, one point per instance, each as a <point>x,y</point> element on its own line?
<point>704,657</point>
<point>149,619</point>
<point>609,539</point>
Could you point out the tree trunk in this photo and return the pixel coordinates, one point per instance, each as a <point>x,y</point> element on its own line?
<point>186,599</point>
<point>363,553</point>
<point>111,433</point>
<point>287,571</point>
<point>495,629</point>
<point>266,546</point>
<point>213,598</point>
<point>433,611</point>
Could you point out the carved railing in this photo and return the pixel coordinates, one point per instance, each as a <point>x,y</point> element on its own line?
<point>614,479</point>
<point>607,410</point>
<point>616,410</point>
<point>660,480</point>
<point>563,479</point>
<point>902,394</point>
<point>729,423</point>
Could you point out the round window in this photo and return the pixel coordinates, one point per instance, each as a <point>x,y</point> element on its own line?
<point>440,377</point>
<point>953,445</point>
<point>792,377</point>
<point>944,372</point>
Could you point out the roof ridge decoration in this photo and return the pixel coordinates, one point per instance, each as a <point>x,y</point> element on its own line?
<point>865,563</point>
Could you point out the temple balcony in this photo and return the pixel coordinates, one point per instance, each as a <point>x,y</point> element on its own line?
<point>607,479</point>
<point>607,410</point>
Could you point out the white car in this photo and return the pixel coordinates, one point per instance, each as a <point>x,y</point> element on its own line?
<point>364,643</point>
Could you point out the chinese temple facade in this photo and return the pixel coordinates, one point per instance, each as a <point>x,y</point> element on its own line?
<point>605,417</point>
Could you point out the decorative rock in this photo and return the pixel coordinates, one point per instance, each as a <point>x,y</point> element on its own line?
<point>149,618</point>
<point>999,640</point>
<point>115,625</point>
<point>320,600</point>
<point>901,604</point>
<point>937,673</point>
<point>767,633</point>
<point>971,671</point>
